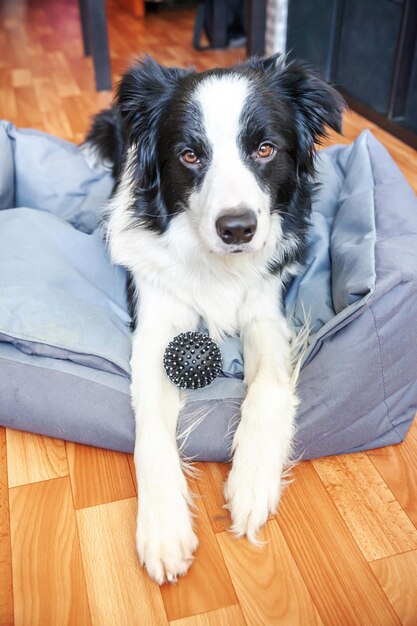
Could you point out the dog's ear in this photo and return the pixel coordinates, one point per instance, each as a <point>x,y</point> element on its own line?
<point>316,105</point>
<point>142,95</point>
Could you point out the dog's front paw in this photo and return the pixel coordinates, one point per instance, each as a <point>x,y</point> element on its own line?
<point>262,447</point>
<point>166,540</point>
<point>252,490</point>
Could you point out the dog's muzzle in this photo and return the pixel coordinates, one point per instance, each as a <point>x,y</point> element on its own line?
<point>236,228</point>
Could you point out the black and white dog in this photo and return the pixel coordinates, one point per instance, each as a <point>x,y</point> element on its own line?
<point>209,214</point>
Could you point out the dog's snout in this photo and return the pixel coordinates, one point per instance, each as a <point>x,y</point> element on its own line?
<point>235,228</point>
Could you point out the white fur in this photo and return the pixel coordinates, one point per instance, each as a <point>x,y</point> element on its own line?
<point>165,536</point>
<point>262,442</point>
<point>229,185</point>
<point>181,283</point>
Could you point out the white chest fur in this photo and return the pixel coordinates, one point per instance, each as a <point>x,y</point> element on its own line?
<point>176,262</point>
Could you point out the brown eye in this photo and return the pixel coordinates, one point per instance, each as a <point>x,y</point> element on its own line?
<point>265,150</point>
<point>190,158</point>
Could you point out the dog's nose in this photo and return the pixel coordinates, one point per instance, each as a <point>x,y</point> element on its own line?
<point>234,228</point>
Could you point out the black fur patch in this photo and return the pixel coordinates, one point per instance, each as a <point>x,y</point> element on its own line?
<point>106,136</point>
<point>289,107</point>
<point>145,99</point>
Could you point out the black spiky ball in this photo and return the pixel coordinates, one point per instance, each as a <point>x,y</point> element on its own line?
<point>192,360</point>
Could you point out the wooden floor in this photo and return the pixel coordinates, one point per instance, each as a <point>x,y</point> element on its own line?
<point>343,548</point>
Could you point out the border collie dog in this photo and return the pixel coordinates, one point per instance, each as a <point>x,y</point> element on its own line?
<point>209,214</point>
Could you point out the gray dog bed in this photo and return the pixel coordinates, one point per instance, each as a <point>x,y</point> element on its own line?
<point>64,334</point>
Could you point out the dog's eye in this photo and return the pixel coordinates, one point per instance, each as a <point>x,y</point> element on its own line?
<point>190,158</point>
<point>265,151</point>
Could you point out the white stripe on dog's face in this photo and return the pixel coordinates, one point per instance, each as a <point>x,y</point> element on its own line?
<point>229,185</point>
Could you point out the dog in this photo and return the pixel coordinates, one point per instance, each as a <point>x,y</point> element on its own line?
<point>209,214</point>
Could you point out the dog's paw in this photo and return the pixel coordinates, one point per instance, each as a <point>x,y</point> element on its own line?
<point>166,541</point>
<point>261,450</point>
<point>252,492</point>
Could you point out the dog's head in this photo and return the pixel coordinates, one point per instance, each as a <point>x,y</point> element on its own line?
<point>231,147</point>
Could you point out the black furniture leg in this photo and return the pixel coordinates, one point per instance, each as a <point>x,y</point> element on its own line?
<point>95,39</point>
<point>403,62</point>
<point>99,42</point>
<point>199,25</point>
<point>256,27</point>
<point>85,28</point>
<point>219,34</point>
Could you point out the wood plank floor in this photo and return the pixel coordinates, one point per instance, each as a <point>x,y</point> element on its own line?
<point>343,548</point>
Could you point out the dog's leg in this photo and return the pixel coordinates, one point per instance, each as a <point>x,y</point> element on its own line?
<point>165,536</point>
<point>262,443</point>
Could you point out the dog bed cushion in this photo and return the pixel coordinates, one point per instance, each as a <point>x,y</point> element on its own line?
<point>64,327</point>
